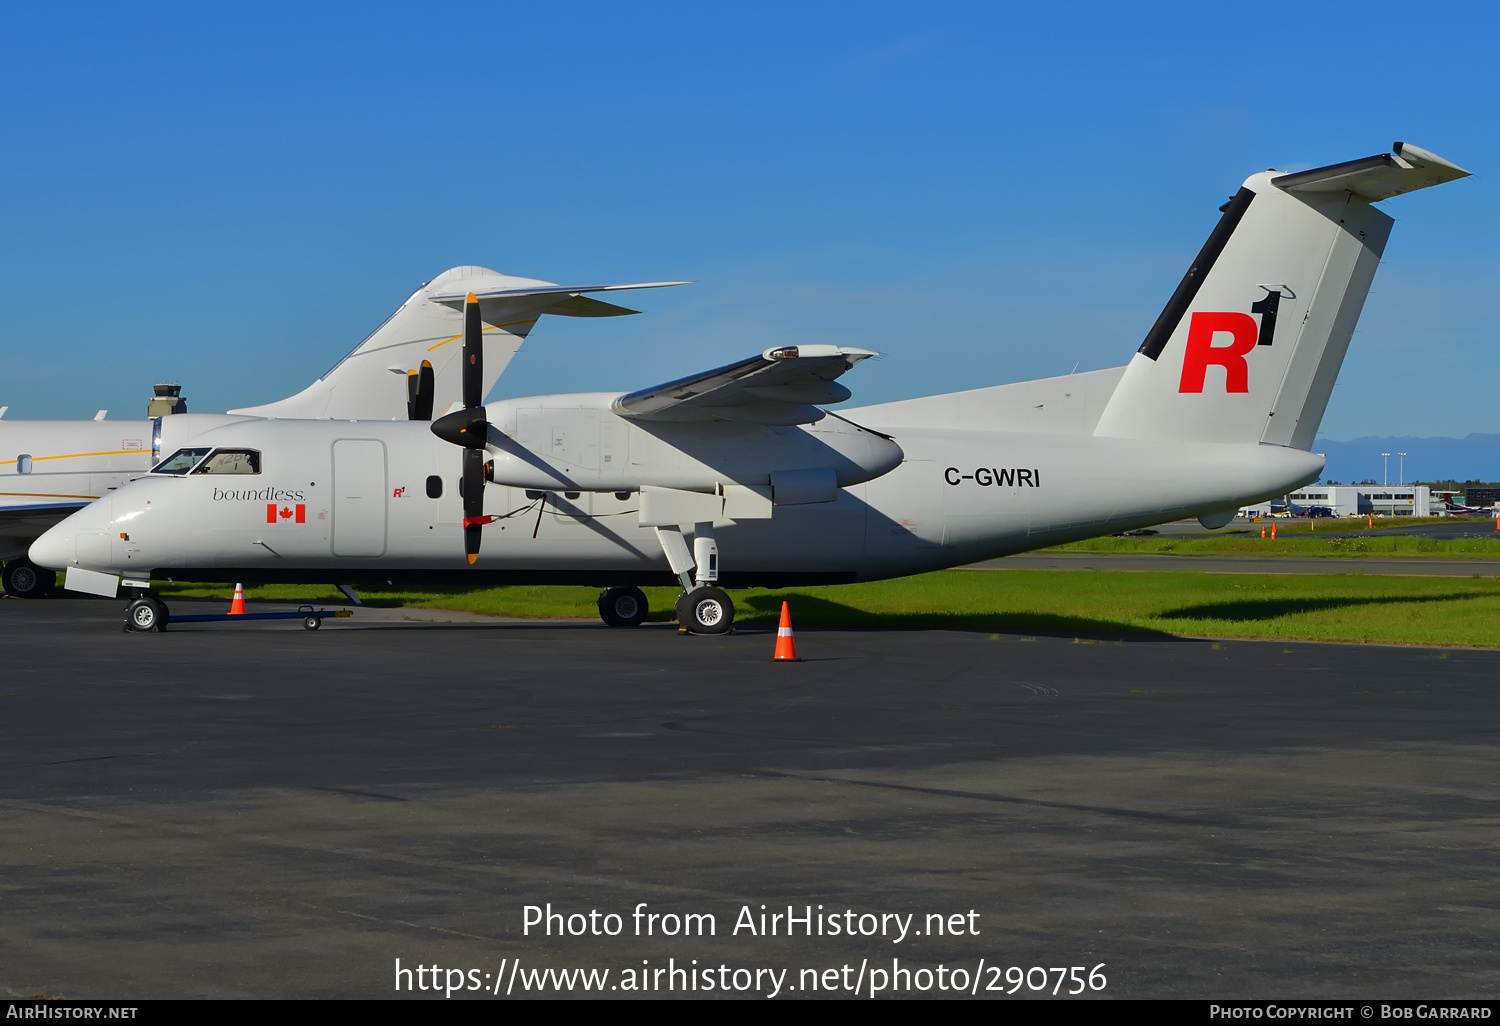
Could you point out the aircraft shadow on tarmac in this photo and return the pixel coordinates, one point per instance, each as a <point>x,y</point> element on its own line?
<point>815,612</point>
<point>1270,609</point>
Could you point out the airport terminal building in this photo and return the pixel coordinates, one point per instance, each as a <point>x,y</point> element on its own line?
<point>1360,500</point>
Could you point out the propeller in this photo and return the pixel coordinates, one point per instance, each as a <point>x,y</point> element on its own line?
<point>469,428</point>
<point>419,388</point>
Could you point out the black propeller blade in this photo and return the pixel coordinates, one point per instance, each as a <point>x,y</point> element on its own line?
<point>469,428</point>
<point>419,389</point>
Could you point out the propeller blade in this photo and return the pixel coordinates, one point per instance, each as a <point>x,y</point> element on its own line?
<point>467,427</point>
<point>420,385</point>
<point>473,353</point>
<point>474,518</point>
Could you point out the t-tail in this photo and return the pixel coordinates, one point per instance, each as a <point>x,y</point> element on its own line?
<point>409,367</point>
<point>1248,347</point>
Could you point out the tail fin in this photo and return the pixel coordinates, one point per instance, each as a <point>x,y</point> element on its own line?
<point>371,383</point>
<point>1248,347</point>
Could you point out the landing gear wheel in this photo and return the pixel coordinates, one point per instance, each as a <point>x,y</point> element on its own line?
<point>623,607</point>
<point>146,615</point>
<point>24,579</point>
<point>705,610</point>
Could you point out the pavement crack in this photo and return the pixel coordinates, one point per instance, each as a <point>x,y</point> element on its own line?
<point>1101,810</point>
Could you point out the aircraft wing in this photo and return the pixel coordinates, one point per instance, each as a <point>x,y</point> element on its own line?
<point>781,386</point>
<point>37,514</point>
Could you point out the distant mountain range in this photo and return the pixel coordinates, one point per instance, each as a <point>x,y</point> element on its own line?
<point>1473,457</point>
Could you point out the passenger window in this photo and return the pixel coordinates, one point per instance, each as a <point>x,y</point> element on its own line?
<point>231,461</point>
<point>23,464</point>
<point>180,462</point>
<point>434,487</point>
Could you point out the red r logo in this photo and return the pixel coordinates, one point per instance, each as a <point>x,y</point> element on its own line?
<point>1201,351</point>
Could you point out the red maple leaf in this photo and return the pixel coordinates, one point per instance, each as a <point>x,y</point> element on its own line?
<point>286,513</point>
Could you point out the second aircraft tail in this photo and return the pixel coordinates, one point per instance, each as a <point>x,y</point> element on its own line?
<point>384,377</point>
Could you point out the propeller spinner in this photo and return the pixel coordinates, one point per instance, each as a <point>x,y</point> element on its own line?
<point>469,428</point>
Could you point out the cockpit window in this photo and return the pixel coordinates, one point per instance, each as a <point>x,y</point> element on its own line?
<point>180,462</point>
<point>231,461</point>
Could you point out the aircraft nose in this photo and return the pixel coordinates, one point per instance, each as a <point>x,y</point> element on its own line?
<point>57,548</point>
<point>54,550</point>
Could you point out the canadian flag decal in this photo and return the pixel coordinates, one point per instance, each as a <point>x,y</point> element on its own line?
<point>279,514</point>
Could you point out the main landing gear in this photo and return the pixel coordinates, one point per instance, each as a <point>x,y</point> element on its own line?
<point>702,608</point>
<point>24,579</point>
<point>623,607</point>
<point>705,610</point>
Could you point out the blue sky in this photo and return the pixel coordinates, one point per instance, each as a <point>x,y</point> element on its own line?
<point>232,198</point>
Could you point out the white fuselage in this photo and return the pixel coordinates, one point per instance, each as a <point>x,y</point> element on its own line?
<point>49,467</point>
<point>349,501</point>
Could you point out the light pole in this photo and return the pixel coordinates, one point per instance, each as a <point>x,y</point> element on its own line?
<point>1401,469</point>
<point>1385,474</point>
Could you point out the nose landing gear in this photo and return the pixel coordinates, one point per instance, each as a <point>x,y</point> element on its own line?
<point>147,615</point>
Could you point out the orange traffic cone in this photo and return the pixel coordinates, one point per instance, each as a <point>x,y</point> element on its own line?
<point>1497,525</point>
<point>237,607</point>
<point>786,645</point>
<point>1273,530</point>
<point>1262,530</point>
<point>1372,524</point>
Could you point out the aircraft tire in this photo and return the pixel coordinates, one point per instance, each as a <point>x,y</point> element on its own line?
<point>24,579</point>
<point>623,607</point>
<point>146,615</point>
<point>705,610</point>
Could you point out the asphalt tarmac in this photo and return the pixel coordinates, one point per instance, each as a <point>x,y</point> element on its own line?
<point>253,810</point>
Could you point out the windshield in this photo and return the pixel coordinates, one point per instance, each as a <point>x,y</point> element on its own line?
<point>180,462</point>
<point>231,461</point>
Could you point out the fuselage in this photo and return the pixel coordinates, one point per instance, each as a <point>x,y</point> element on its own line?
<point>374,501</point>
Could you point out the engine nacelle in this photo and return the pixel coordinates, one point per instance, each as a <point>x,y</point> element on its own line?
<point>576,443</point>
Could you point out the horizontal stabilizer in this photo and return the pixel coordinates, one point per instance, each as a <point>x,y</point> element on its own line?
<point>781,386</point>
<point>1376,178</point>
<point>546,289</point>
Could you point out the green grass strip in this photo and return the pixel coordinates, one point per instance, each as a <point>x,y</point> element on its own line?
<point>1287,543</point>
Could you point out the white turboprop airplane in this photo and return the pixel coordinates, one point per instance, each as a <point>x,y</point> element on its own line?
<point>406,368</point>
<point>1217,409</point>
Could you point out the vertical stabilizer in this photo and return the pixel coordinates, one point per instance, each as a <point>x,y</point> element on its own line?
<point>1249,345</point>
